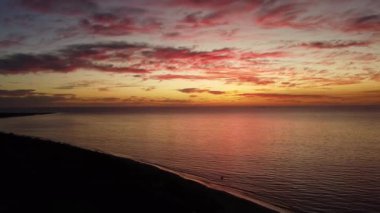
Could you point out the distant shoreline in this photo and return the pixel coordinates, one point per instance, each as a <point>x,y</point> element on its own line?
<point>195,108</point>
<point>17,114</point>
<point>37,170</point>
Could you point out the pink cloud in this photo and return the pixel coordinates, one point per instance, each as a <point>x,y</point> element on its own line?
<point>303,15</point>
<point>367,23</point>
<point>252,55</point>
<point>329,81</point>
<point>286,15</point>
<point>231,66</point>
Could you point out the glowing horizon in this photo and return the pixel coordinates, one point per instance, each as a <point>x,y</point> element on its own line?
<point>189,53</point>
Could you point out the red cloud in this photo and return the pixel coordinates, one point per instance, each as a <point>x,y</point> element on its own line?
<point>370,23</point>
<point>226,65</point>
<point>189,55</point>
<point>197,90</point>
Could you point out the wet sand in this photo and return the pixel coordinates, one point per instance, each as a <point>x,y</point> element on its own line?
<point>44,176</point>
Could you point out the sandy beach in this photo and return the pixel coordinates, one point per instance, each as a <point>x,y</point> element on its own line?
<point>44,176</point>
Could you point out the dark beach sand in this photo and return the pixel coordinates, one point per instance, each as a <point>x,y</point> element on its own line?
<point>44,176</point>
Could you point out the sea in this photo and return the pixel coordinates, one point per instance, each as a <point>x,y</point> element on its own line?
<point>300,160</point>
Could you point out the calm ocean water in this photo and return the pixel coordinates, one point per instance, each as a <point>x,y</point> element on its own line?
<point>310,161</point>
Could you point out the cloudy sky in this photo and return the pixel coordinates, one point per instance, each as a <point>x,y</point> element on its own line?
<point>189,52</point>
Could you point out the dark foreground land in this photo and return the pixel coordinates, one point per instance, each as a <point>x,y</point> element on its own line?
<point>9,115</point>
<point>43,176</point>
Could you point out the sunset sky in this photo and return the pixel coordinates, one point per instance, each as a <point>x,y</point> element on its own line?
<point>189,52</point>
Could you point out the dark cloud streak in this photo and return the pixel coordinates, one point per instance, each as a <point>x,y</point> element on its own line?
<point>65,7</point>
<point>335,44</point>
<point>19,92</point>
<point>197,90</point>
<point>67,60</point>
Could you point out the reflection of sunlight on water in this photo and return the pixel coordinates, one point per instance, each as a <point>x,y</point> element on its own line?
<point>307,161</point>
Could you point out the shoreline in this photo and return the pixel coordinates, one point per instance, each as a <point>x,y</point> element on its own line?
<point>222,200</point>
<point>213,186</point>
<point>234,192</point>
